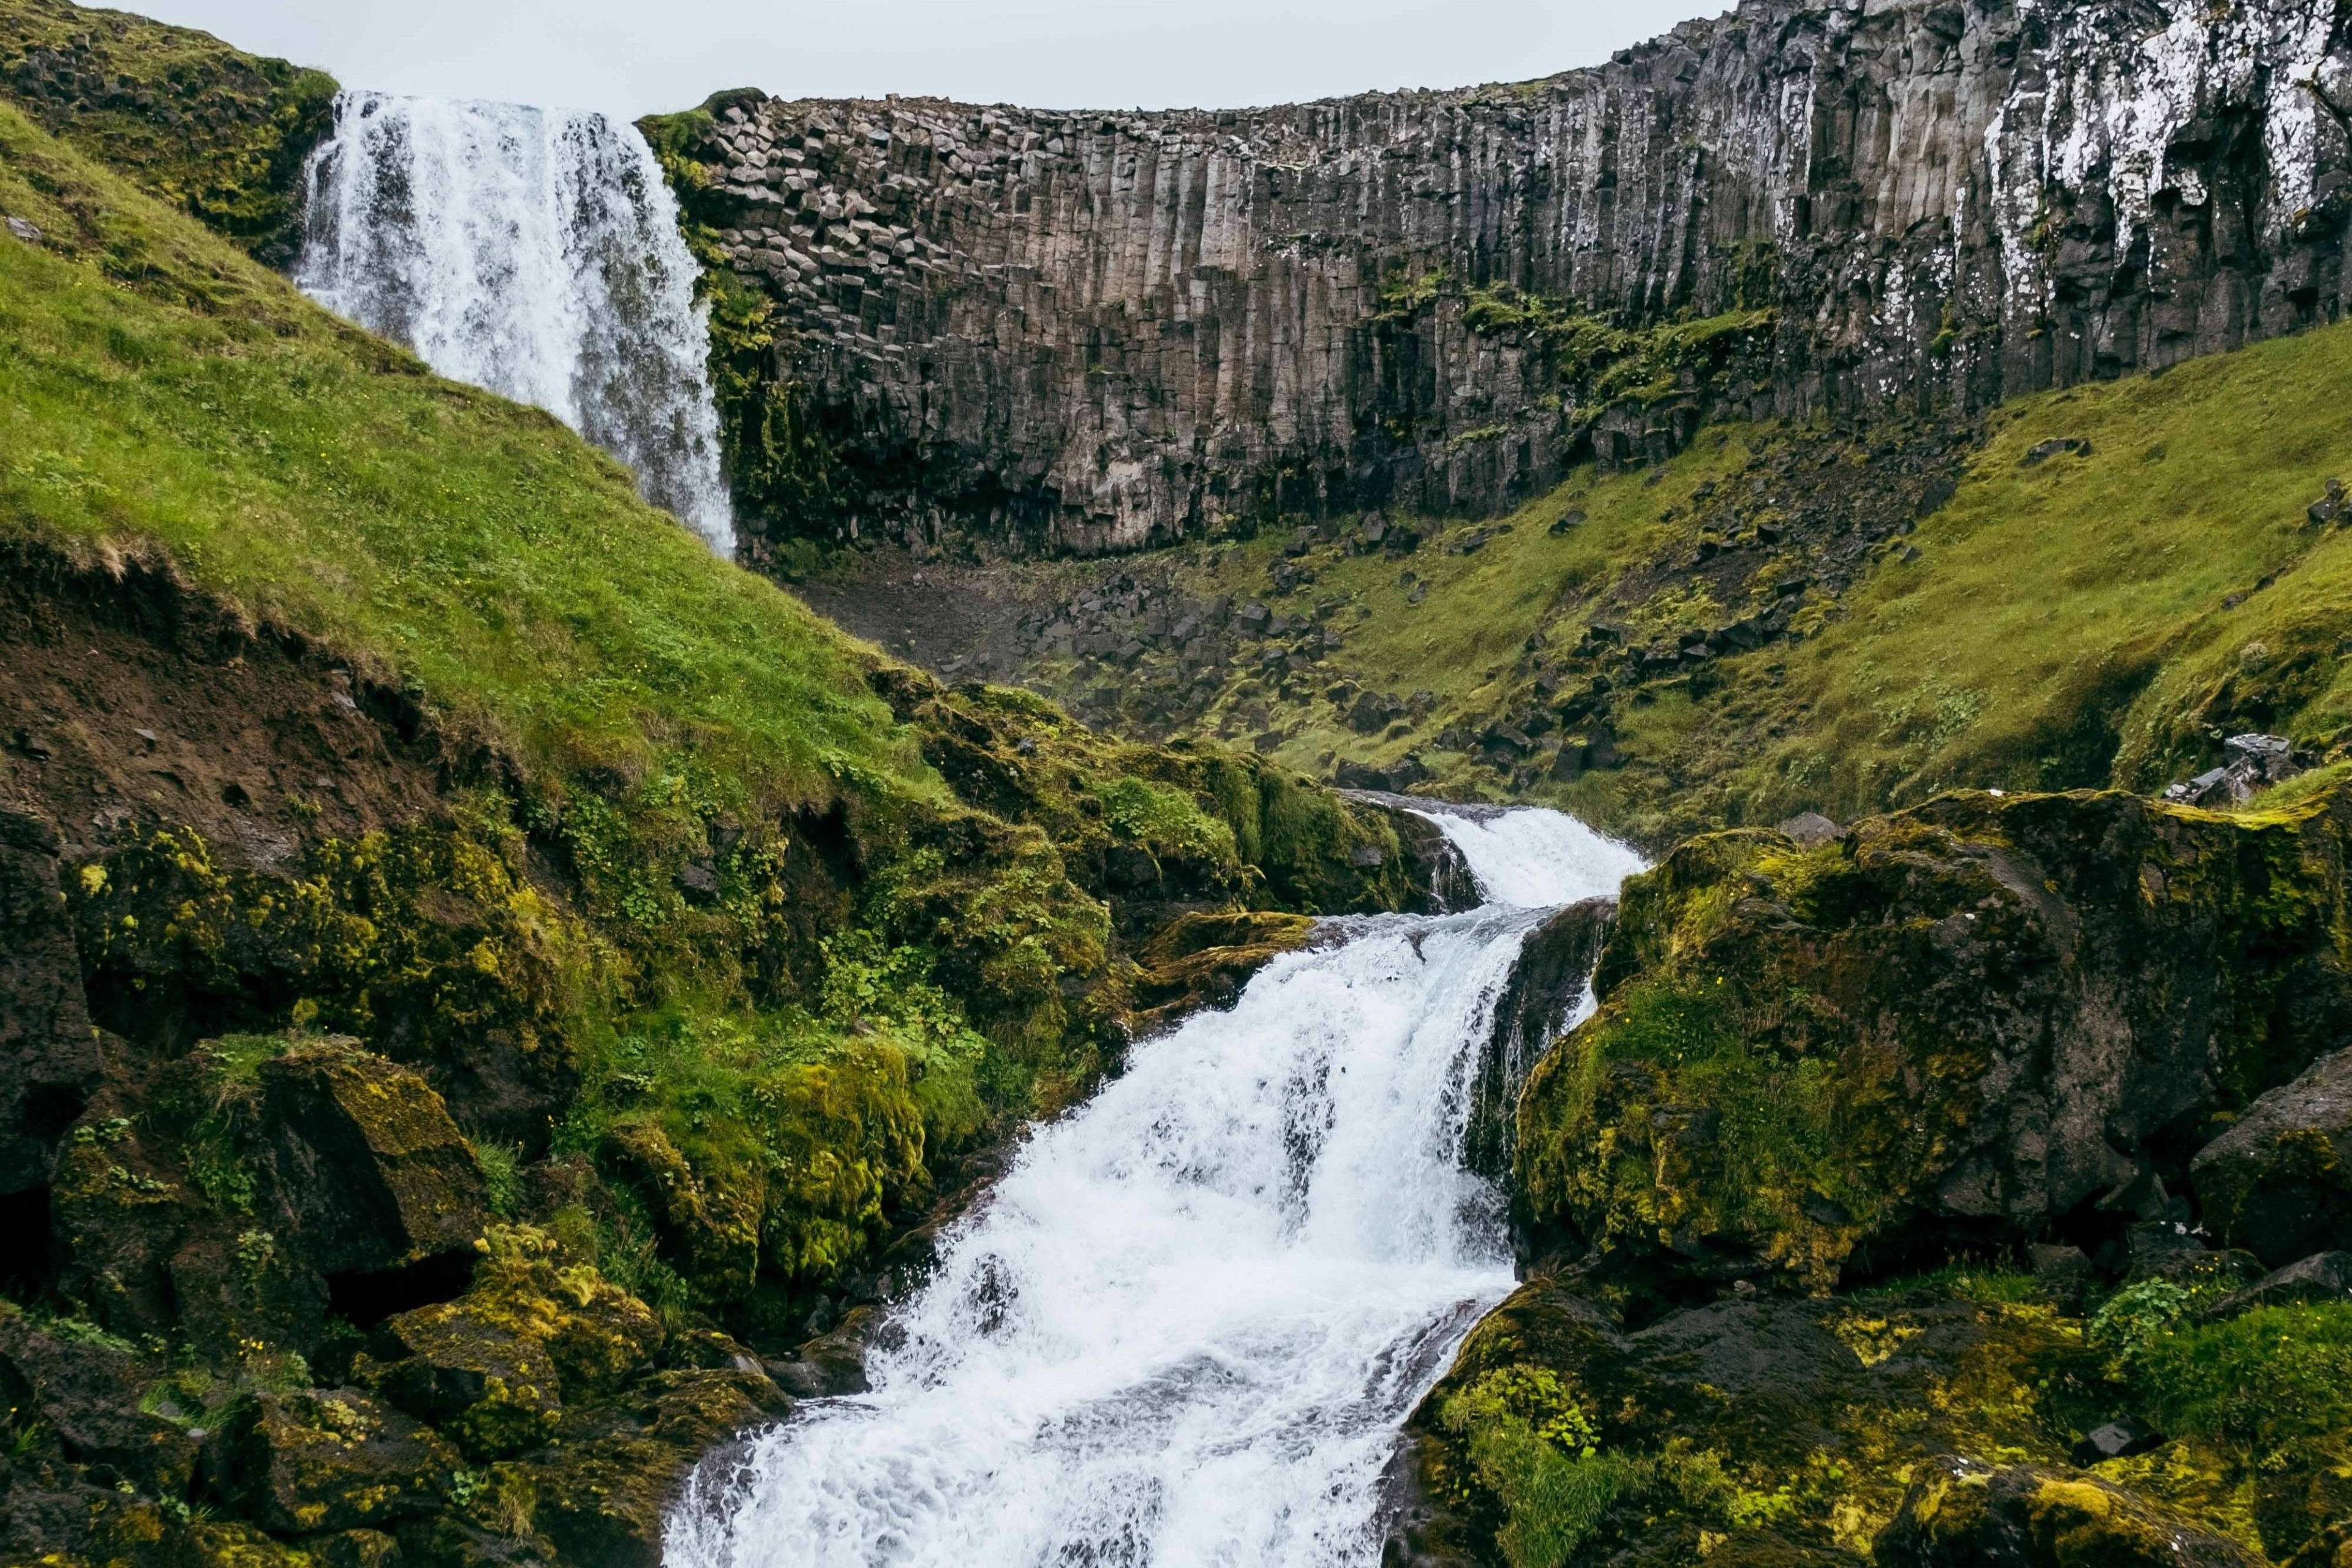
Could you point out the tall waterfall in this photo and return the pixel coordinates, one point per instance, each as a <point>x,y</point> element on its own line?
<point>532,253</point>
<point>1189,1324</point>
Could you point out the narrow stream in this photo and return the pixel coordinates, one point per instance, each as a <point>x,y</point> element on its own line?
<point>534,253</point>
<point>1189,1323</point>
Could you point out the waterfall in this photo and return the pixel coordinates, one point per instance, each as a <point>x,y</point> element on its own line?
<point>534,254</point>
<point>1193,1316</point>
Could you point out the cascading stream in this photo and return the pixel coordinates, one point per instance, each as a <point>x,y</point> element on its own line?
<point>1192,1317</point>
<point>532,253</point>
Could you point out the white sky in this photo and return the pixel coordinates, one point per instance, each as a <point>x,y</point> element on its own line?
<point>638,56</point>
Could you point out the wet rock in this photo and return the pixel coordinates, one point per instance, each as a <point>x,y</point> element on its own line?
<point>326,1459</point>
<point>365,1170</point>
<point>834,1363</point>
<point>2332,506</point>
<point>2278,1182</point>
<point>1549,980</point>
<point>1959,1513</point>
<point>603,1495</point>
<point>1203,961</point>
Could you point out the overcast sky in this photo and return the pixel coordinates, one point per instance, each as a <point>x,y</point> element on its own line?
<point>634,57</point>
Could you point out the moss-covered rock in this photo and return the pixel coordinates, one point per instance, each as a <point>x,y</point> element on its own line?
<point>1964,1020</point>
<point>82,1391</point>
<point>1962,1514</point>
<point>1203,961</point>
<point>487,1387</point>
<point>326,1459</point>
<point>1779,1429</point>
<point>603,1495</point>
<point>365,1167</point>
<point>2279,1182</point>
<point>49,1052</point>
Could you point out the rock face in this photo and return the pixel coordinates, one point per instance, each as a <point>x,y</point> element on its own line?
<point>1984,1017</point>
<point>1098,331</point>
<point>48,1051</point>
<point>1554,969</point>
<point>2278,1182</point>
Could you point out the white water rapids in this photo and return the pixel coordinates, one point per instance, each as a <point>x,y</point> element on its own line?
<point>533,253</point>
<point>1189,1323</point>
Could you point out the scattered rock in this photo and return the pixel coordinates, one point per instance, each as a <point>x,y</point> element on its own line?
<point>2251,765</point>
<point>2055,448</point>
<point>25,230</point>
<point>2331,506</point>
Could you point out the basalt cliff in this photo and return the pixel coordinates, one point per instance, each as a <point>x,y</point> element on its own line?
<point>1088,333</point>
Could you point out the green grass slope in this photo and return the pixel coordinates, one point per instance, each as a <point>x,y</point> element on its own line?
<point>214,131</point>
<point>2103,615</point>
<point>154,385</point>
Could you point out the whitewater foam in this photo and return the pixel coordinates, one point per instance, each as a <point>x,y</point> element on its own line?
<point>533,253</point>
<point>1191,1318</point>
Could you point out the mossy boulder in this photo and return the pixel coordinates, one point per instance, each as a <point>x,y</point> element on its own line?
<point>1959,1513</point>
<point>326,1459</point>
<point>84,1393</point>
<point>1966,1020</point>
<point>603,1495</point>
<point>559,1326</point>
<point>1203,961</point>
<point>2279,1182</point>
<point>489,1388</point>
<point>365,1169</point>
<point>1777,1428</point>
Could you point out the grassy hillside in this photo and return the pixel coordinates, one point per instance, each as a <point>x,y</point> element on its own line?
<point>159,387</point>
<point>212,131</point>
<point>1955,610</point>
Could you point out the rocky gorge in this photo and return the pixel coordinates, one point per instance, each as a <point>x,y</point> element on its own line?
<point>517,1034</point>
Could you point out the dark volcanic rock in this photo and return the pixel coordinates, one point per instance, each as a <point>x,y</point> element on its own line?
<point>1105,331</point>
<point>49,1052</point>
<point>326,1459</point>
<point>365,1167</point>
<point>1555,965</point>
<point>2279,1182</point>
